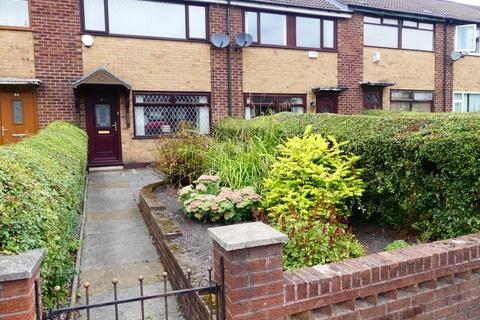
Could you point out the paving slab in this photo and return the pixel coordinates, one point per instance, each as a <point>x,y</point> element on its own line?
<point>117,244</point>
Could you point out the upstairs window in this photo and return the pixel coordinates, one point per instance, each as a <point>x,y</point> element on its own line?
<point>290,31</point>
<point>398,33</point>
<point>467,39</point>
<point>268,104</point>
<point>14,13</point>
<point>145,18</point>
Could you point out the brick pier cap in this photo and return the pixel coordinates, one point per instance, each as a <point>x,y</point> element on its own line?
<point>246,235</point>
<point>21,266</point>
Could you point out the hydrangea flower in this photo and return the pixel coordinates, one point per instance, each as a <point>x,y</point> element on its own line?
<point>207,201</point>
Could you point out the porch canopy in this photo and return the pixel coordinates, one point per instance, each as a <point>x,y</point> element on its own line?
<point>328,90</point>
<point>20,82</point>
<point>378,84</point>
<point>101,76</point>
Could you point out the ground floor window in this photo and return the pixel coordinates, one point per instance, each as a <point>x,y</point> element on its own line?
<point>409,100</point>
<point>268,104</point>
<point>163,113</point>
<point>466,102</point>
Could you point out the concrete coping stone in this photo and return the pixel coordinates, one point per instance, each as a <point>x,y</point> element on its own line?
<point>246,235</point>
<point>21,266</point>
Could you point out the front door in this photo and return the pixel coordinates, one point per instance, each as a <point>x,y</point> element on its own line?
<point>18,117</point>
<point>103,128</point>
<point>373,98</point>
<point>327,104</point>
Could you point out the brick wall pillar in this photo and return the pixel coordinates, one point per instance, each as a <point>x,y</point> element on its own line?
<point>19,275</point>
<point>350,64</point>
<point>253,274</point>
<point>58,57</point>
<point>442,73</point>
<point>218,62</point>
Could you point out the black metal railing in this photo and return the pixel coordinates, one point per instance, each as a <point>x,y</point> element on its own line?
<point>210,292</point>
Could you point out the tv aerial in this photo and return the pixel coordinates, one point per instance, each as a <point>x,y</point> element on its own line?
<point>244,39</point>
<point>220,40</point>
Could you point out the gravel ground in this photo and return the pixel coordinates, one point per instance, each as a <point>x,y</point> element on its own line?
<point>195,246</point>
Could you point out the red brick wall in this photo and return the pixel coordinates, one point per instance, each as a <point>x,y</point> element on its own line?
<point>439,67</point>
<point>440,280</point>
<point>350,63</point>
<point>17,298</point>
<point>58,57</point>
<point>218,60</point>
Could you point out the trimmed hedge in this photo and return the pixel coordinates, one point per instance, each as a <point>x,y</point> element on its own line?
<point>422,170</point>
<point>43,181</point>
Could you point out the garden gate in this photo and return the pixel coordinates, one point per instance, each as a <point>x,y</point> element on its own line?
<point>210,292</point>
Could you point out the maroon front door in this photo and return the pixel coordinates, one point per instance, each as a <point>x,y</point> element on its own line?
<point>327,104</point>
<point>373,98</point>
<point>103,128</point>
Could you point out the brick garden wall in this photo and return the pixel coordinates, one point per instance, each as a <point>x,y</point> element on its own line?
<point>440,280</point>
<point>58,57</point>
<point>350,63</point>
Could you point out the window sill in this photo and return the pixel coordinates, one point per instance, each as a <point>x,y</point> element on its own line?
<point>292,48</point>
<point>113,35</point>
<point>11,28</point>
<point>390,48</point>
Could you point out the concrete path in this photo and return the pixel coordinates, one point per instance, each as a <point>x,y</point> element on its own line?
<point>117,244</point>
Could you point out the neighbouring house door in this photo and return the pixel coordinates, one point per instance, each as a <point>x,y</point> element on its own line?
<point>373,99</point>
<point>327,104</point>
<point>18,116</point>
<point>103,128</point>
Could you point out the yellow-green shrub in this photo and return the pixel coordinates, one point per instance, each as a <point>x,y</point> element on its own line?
<point>308,195</point>
<point>42,187</point>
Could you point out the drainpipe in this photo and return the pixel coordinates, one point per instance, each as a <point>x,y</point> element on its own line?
<point>445,65</point>
<point>229,64</point>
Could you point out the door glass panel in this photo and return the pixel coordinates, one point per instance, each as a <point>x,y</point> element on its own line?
<point>102,116</point>
<point>17,112</point>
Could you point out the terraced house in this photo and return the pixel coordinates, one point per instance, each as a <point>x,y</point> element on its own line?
<point>130,71</point>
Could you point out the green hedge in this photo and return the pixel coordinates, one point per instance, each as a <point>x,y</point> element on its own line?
<point>422,170</point>
<point>43,181</point>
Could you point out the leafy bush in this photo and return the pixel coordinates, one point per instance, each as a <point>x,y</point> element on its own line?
<point>207,201</point>
<point>397,244</point>
<point>421,170</point>
<point>313,241</point>
<point>181,157</point>
<point>311,172</point>
<point>43,181</point>
<point>308,194</point>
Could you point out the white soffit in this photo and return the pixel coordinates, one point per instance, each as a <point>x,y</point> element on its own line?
<point>253,5</point>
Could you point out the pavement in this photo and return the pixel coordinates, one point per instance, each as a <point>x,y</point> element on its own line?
<point>117,244</point>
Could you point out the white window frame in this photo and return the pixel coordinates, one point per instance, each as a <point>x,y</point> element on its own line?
<point>18,26</point>
<point>463,101</point>
<point>473,42</point>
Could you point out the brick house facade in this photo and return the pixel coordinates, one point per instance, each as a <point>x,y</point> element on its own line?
<point>127,87</point>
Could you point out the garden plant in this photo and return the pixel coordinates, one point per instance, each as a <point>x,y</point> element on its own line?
<point>43,181</point>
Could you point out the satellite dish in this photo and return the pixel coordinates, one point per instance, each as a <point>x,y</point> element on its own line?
<point>457,55</point>
<point>220,40</point>
<point>87,40</point>
<point>244,39</point>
